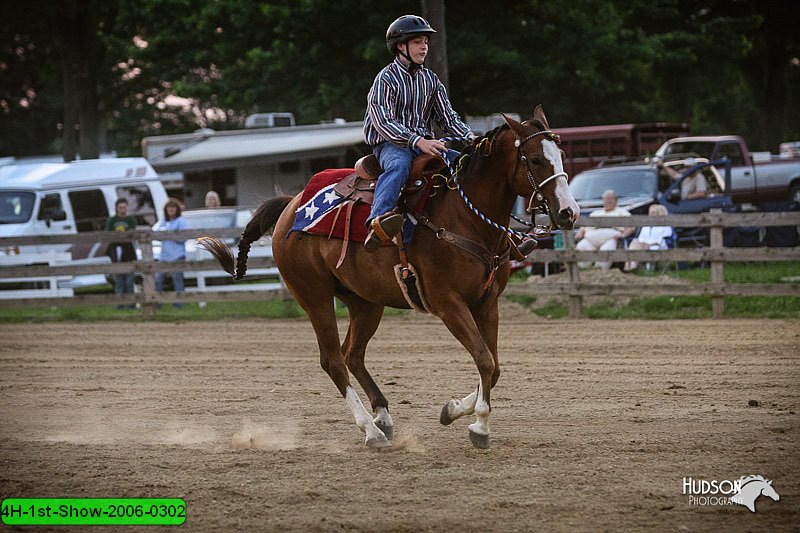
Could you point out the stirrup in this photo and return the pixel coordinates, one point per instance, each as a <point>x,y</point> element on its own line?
<point>382,229</point>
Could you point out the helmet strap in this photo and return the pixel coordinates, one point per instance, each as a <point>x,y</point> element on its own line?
<point>411,64</point>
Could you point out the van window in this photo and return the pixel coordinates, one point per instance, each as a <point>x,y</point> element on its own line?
<point>50,204</point>
<point>89,208</point>
<point>16,207</point>
<point>140,203</point>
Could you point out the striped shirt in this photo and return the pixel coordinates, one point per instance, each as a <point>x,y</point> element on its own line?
<point>402,104</point>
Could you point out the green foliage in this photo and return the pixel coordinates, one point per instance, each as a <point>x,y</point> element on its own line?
<point>723,67</point>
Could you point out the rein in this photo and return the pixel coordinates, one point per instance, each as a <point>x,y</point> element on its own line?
<point>491,260</point>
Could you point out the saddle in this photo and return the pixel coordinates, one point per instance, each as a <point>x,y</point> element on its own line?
<point>360,186</point>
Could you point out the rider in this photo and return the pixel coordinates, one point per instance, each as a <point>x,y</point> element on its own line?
<point>404,97</point>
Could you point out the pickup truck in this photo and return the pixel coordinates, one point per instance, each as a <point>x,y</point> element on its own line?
<point>755,177</point>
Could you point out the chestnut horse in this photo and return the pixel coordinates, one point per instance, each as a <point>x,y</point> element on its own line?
<point>461,289</point>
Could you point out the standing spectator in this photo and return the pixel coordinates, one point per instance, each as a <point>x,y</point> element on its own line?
<point>171,250</point>
<point>213,200</point>
<point>122,252</point>
<point>590,238</point>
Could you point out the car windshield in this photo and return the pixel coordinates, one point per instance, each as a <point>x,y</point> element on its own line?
<point>16,207</point>
<point>631,182</point>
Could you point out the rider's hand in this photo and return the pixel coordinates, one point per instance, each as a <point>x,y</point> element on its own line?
<point>431,146</point>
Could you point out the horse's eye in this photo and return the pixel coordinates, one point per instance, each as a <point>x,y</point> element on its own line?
<point>536,160</point>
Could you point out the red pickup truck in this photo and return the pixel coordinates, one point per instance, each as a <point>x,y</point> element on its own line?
<point>755,177</point>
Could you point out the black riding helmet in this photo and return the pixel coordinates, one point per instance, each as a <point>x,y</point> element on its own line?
<point>404,29</point>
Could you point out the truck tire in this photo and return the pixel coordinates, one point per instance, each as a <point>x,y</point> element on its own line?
<point>794,193</point>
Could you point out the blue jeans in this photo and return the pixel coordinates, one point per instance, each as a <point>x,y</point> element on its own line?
<point>123,284</point>
<point>396,164</point>
<point>177,282</point>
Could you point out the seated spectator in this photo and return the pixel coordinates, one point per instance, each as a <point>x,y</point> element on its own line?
<point>212,200</point>
<point>590,238</point>
<point>650,237</point>
<point>693,186</point>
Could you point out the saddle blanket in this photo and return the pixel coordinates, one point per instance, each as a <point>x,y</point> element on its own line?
<point>320,205</point>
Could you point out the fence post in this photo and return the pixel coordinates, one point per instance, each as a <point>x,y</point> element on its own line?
<point>717,267</point>
<point>575,300</point>
<point>148,279</point>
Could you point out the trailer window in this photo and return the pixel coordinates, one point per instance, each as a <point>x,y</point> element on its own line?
<point>140,203</point>
<point>16,206</point>
<point>89,208</point>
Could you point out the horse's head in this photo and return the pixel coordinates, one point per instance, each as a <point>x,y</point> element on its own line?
<point>767,490</point>
<point>539,170</point>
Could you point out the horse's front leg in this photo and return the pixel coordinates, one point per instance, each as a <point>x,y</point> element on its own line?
<point>462,325</point>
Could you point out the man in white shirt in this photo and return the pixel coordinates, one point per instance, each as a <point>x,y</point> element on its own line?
<point>590,238</point>
<point>693,186</point>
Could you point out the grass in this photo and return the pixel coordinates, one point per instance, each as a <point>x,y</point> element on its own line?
<point>655,307</point>
<point>269,309</point>
<point>688,307</point>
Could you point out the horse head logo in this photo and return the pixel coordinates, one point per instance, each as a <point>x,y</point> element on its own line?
<point>751,487</point>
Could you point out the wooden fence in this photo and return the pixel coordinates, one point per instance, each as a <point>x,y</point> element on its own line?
<point>148,298</point>
<point>716,255</point>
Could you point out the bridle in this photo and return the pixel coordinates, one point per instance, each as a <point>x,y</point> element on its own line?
<point>536,194</point>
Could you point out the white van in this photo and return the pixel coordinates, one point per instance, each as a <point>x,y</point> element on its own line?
<point>69,198</point>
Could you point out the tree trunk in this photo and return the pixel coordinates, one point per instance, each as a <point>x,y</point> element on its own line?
<point>81,54</point>
<point>433,11</point>
<point>69,43</point>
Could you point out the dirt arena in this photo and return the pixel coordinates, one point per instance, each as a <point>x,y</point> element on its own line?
<point>594,424</point>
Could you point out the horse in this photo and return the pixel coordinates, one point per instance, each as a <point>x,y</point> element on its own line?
<point>462,282</point>
<point>751,488</point>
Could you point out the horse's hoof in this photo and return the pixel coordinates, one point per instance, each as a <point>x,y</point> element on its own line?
<point>444,417</point>
<point>387,429</point>
<point>378,442</point>
<point>478,440</point>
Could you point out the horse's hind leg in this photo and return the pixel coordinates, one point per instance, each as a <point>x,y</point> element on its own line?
<point>321,314</point>
<point>364,320</point>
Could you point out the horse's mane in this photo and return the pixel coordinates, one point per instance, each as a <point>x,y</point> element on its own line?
<point>748,479</point>
<point>483,145</point>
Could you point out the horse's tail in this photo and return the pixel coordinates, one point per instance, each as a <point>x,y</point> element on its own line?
<point>262,220</point>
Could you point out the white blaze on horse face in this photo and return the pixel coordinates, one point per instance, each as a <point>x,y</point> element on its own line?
<point>563,194</point>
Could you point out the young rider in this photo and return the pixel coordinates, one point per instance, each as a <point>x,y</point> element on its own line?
<point>404,99</point>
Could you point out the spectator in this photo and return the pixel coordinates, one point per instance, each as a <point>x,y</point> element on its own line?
<point>122,252</point>
<point>693,186</point>
<point>590,238</point>
<point>171,250</point>
<point>212,200</point>
<point>650,237</point>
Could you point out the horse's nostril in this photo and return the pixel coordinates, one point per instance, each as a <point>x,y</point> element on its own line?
<point>565,214</point>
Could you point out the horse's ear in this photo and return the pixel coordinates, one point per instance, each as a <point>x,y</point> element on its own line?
<point>538,114</point>
<point>515,126</point>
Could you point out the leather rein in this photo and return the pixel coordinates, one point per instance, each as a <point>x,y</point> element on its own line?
<point>494,260</point>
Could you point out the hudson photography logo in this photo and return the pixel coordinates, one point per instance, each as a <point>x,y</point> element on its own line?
<point>742,491</point>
